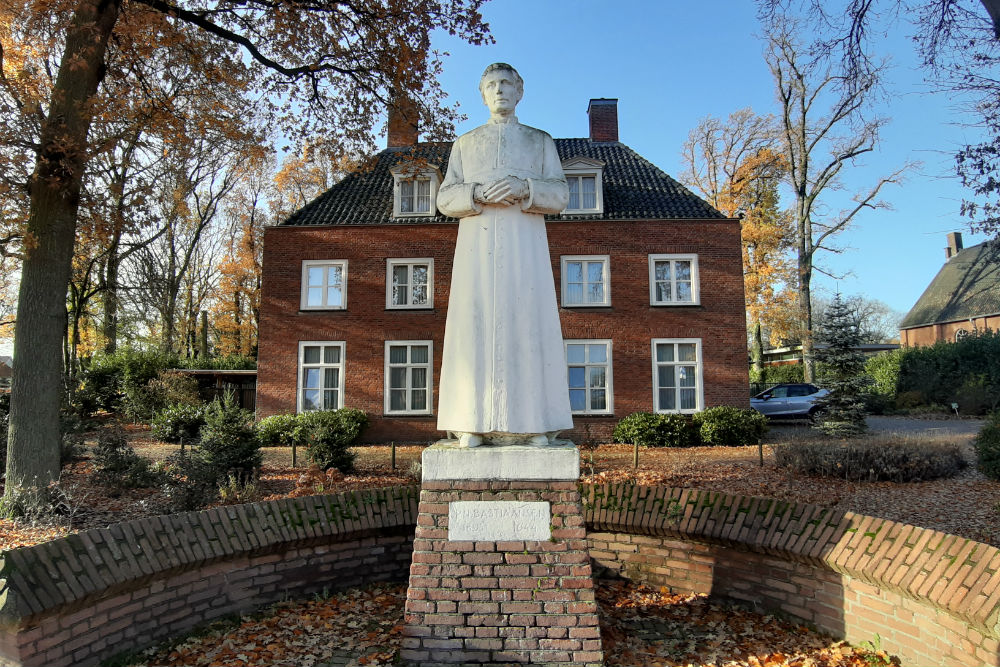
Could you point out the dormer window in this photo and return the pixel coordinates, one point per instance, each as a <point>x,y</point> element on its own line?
<point>586,193</point>
<point>415,190</point>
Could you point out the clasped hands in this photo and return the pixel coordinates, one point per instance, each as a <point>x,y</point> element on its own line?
<point>507,191</point>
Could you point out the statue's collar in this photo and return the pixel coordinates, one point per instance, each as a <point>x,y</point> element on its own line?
<point>503,120</point>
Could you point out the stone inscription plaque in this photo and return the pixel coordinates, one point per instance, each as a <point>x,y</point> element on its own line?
<point>498,521</point>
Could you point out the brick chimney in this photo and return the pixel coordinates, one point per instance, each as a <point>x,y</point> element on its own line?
<point>603,114</point>
<point>954,244</point>
<point>404,118</point>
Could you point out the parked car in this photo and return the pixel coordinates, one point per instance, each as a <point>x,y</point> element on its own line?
<point>788,400</point>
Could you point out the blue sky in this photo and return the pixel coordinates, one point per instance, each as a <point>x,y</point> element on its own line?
<point>672,63</point>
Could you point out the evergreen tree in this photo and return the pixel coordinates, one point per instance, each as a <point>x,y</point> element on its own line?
<point>842,411</point>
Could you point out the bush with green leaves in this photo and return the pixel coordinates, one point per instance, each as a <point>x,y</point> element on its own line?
<point>280,431</point>
<point>874,460</point>
<point>179,422</point>
<point>726,426</point>
<point>987,445</point>
<point>228,443</point>
<point>192,483</point>
<point>330,434</point>
<point>652,430</point>
<point>118,466</point>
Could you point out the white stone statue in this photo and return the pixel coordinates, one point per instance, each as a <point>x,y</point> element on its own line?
<point>503,374</point>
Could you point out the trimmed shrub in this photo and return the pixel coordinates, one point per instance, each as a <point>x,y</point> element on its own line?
<point>987,445</point>
<point>118,466</point>
<point>228,443</point>
<point>329,435</point>
<point>883,369</point>
<point>280,431</point>
<point>192,483</point>
<point>177,422</point>
<point>873,461</point>
<point>652,430</point>
<point>726,426</point>
<point>782,373</point>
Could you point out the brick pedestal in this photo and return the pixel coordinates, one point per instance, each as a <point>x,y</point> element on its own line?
<point>481,602</point>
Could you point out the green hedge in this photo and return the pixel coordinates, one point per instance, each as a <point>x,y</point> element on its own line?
<point>719,426</point>
<point>966,372</point>
<point>328,434</point>
<point>988,447</point>
<point>726,426</point>
<point>650,430</point>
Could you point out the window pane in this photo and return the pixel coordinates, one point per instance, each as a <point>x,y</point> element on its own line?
<point>665,376</point>
<point>686,352</point>
<point>665,352</point>
<point>688,399</point>
<point>310,354</point>
<point>418,378</point>
<point>331,379</point>
<point>419,295</point>
<point>330,400</point>
<point>397,378</point>
<point>598,353</point>
<point>424,204</point>
<point>662,292</point>
<point>314,296</point>
<point>310,378</point>
<point>577,399</point>
<point>598,400</point>
<point>399,275</point>
<point>397,399</point>
<point>574,192</point>
<point>577,376</point>
<point>419,274</point>
<point>661,270</point>
<point>684,292</point>
<point>334,297</point>
<point>418,354</point>
<point>686,376</point>
<point>310,399</point>
<point>397,354</point>
<point>667,399</point>
<point>315,275</point>
<point>398,295</point>
<point>595,272</point>
<point>596,294</point>
<point>574,272</point>
<point>406,188</point>
<point>418,399</point>
<point>424,187</point>
<point>335,275</point>
<point>597,378</point>
<point>682,270</point>
<point>575,353</point>
<point>331,354</point>
<point>589,193</point>
<point>574,293</point>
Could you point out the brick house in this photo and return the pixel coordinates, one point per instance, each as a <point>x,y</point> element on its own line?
<point>963,298</point>
<point>648,278</point>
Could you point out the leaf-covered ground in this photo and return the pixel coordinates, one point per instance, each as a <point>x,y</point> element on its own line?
<point>639,627</point>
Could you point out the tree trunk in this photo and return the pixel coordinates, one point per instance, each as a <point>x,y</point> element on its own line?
<point>757,351</point>
<point>805,320</point>
<point>110,327</point>
<point>54,196</point>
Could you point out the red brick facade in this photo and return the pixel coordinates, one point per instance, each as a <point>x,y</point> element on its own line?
<point>946,331</point>
<point>630,322</point>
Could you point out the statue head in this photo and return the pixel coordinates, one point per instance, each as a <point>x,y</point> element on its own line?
<point>501,87</point>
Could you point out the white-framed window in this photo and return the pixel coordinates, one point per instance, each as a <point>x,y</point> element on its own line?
<point>677,375</point>
<point>586,280</point>
<point>409,283</point>
<point>408,377</point>
<point>324,284</point>
<point>588,370</point>
<point>673,280</point>
<point>415,190</point>
<point>586,190</point>
<point>321,376</point>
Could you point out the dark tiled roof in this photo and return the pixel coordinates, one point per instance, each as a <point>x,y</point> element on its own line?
<point>634,188</point>
<point>968,285</point>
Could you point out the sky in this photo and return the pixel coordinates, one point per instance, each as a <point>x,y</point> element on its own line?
<point>671,63</point>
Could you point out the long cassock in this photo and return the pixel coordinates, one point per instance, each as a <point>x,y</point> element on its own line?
<point>503,369</point>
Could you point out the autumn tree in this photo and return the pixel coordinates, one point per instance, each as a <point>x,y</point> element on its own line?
<point>306,65</point>
<point>736,166</point>
<point>823,127</point>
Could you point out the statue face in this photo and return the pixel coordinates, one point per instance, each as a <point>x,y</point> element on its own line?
<point>500,91</point>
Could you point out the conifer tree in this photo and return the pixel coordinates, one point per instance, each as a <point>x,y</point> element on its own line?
<point>842,411</point>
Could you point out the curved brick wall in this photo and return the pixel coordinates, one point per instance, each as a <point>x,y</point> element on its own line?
<point>933,598</point>
<point>82,598</point>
